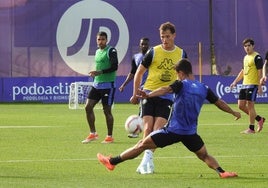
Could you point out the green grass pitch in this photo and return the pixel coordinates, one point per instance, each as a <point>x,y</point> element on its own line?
<point>40,146</point>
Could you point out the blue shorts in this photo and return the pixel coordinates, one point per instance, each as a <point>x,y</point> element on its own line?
<point>163,138</point>
<point>156,107</point>
<point>248,94</point>
<point>105,95</point>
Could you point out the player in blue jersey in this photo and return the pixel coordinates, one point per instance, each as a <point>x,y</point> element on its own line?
<point>159,61</point>
<point>182,126</point>
<point>136,61</point>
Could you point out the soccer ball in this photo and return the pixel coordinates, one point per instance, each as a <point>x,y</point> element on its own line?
<point>134,124</point>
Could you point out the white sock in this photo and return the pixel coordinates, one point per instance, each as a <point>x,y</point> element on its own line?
<point>146,157</point>
<point>149,155</point>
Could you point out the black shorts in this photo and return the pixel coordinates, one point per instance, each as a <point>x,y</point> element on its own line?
<point>163,138</point>
<point>156,107</point>
<point>248,94</point>
<point>105,95</point>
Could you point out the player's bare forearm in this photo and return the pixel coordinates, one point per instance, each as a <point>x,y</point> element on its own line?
<point>264,69</point>
<point>226,108</point>
<point>138,79</point>
<point>158,92</point>
<point>237,79</point>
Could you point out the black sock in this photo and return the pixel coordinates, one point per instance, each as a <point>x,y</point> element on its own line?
<point>116,160</point>
<point>219,170</point>
<point>258,118</point>
<point>251,127</point>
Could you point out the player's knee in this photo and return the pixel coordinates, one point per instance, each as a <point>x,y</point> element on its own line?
<point>89,108</point>
<point>202,156</point>
<point>148,129</point>
<point>140,145</point>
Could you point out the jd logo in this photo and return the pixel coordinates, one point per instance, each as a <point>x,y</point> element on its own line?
<point>77,30</point>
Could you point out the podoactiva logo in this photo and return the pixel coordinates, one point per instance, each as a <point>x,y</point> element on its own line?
<point>77,30</point>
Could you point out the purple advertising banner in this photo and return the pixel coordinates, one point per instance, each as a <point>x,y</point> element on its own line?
<point>221,86</point>
<point>56,38</point>
<point>41,89</point>
<point>56,89</point>
<point>47,44</point>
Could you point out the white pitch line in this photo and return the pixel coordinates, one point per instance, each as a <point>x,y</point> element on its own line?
<point>94,159</point>
<point>24,127</point>
<point>219,124</point>
<point>28,127</point>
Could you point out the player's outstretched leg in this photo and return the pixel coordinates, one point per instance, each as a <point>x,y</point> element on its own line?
<point>105,160</point>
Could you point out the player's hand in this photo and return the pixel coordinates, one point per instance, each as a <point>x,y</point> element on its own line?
<point>232,85</point>
<point>94,73</point>
<point>142,94</point>
<point>260,91</point>
<point>263,80</point>
<point>121,88</point>
<point>134,100</point>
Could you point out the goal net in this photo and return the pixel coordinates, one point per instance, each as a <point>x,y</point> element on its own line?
<point>78,94</point>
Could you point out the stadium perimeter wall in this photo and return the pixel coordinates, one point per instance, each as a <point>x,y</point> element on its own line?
<point>57,38</point>
<point>47,44</point>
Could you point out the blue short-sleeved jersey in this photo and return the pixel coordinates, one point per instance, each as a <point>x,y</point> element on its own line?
<point>189,98</point>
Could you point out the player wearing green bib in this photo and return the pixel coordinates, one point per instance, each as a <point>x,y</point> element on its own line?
<point>103,88</point>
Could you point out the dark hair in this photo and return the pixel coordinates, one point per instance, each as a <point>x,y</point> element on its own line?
<point>102,33</point>
<point>145,39</point>
<point>185,66</point>
<point>167,26</point>
<point>251,41</point>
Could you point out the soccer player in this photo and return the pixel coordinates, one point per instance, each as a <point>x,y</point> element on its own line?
<point>136,61</point>
<point>103,88</point>
<point>182,126</point>
<point>159,61</point>
<point>251,74</point>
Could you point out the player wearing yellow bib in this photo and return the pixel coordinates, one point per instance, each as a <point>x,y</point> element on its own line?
<point>251,74</point>
<point>159,61</point>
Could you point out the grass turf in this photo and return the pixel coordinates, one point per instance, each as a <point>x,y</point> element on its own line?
<point>40,146</point>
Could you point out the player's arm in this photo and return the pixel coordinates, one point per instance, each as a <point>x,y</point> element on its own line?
<point>130,75</point>
<point>158,92</point>
<point>264,70</point>
<point>136,83</point>
<point>142,68</point>
<point>173,88</point>
<point>113,60</point>
<point>259,65</point>
<point>260,91</point>
<point>265,67</point>
<point>221,104</point>
<point>238,78</point>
